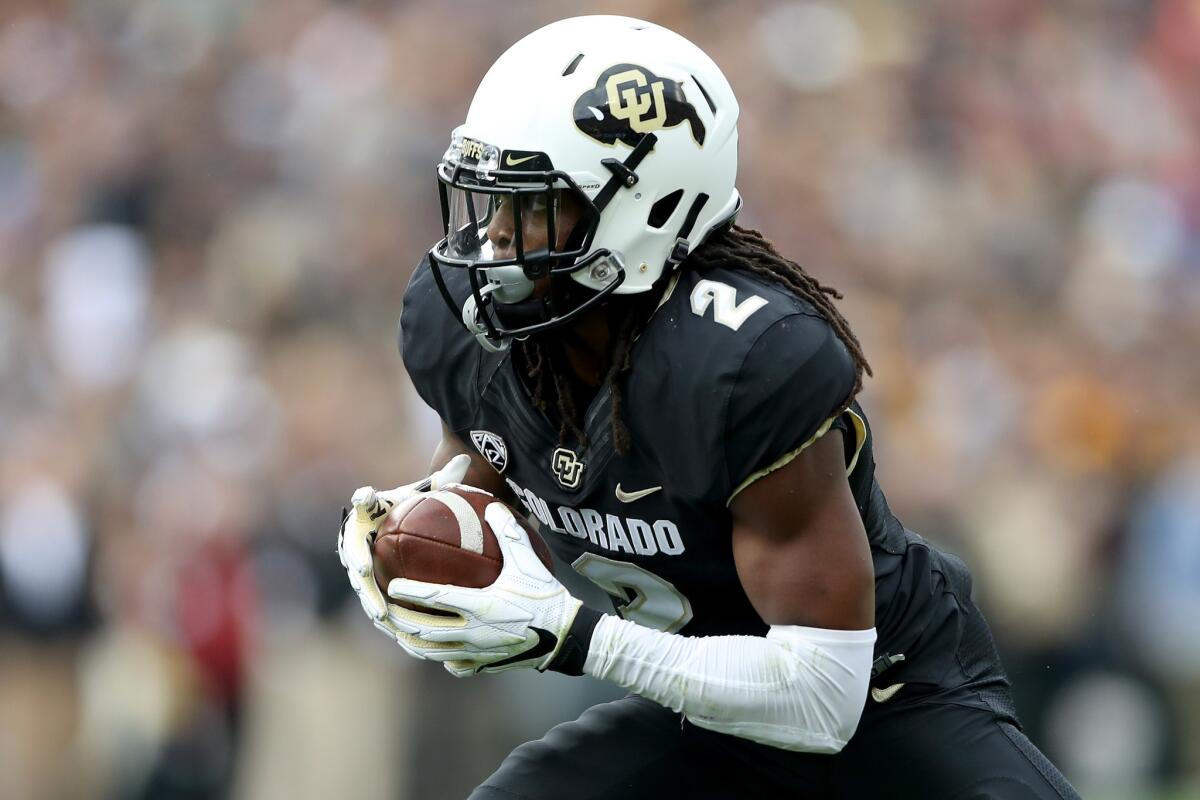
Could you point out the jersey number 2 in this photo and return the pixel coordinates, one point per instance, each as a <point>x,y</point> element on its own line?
<point>722,297</point>
<point>641,596</point>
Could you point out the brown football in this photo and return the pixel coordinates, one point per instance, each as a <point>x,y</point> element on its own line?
<point>442,537</point>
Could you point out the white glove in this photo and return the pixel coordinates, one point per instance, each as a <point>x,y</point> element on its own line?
<point>521,620</point>
<point>360,525</point>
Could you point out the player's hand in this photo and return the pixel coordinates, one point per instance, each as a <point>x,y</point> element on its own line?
<point>520,620</point>
<point>361,524</point>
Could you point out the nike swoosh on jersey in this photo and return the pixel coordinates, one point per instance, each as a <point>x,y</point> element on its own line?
<point>883,695</point>
<point>629,497</point>
<point>512,162</point>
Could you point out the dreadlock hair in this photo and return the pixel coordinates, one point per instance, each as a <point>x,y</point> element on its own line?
<point>733,247</point>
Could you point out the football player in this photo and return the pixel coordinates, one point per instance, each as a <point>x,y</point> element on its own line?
<point>673,402</point>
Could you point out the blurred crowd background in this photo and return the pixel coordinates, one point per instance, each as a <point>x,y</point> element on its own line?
<point>208,214</point>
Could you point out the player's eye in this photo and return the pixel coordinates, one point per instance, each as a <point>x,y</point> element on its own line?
<point>534,203</point>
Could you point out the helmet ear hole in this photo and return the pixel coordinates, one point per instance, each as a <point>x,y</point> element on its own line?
<point>663,208</point>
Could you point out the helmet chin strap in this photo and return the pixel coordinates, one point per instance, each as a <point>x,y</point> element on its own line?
<point>510,293</point>
<point>470,319</point>
<point>564,297</point>
<point>521,314</point>
<point>531,311</point>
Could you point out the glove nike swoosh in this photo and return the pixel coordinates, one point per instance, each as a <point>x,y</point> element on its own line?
<point>545,644</point>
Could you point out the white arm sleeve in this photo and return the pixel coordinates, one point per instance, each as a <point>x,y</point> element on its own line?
<point>797,689</point>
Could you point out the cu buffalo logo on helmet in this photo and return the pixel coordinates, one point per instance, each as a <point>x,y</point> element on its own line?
<point>629,101</point>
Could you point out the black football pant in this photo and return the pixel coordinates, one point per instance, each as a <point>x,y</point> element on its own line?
<point>634,748</point>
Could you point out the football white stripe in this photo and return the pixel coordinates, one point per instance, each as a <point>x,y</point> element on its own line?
<point>469,528</point>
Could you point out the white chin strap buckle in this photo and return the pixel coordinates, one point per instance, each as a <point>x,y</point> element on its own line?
<point>508,284</point>
<point>470,318</point>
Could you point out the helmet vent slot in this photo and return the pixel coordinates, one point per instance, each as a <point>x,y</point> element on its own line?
<point>711,106</point>
<point>663,208</point>
<point>575,63</point>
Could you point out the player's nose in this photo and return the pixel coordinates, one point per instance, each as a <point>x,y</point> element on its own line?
<point>500,234</point>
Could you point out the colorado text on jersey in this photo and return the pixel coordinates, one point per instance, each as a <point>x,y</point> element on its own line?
<point>618,534</point>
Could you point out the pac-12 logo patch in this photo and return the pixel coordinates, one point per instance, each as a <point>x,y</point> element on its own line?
<point>491,447</point>
<point>567,468</point>
<point>629,101</point>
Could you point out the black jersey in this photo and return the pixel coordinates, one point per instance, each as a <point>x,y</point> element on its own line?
<point>731,375</point>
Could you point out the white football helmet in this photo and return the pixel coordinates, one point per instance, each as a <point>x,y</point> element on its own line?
<point>619,122</point>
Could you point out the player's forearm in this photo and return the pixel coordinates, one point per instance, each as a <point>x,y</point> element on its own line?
<point>797,688</point>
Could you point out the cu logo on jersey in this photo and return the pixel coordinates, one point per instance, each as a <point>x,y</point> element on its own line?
<point>567,468</point>
<point>491,447</point>
<point>629,101</point>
